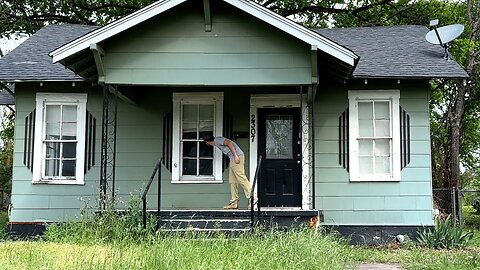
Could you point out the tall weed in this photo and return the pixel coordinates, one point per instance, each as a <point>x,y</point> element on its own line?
<point>446,234</point>
<point>108,226</point>
<point>3,225</point>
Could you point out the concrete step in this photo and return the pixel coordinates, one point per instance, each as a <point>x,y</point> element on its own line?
<point>213,223</point>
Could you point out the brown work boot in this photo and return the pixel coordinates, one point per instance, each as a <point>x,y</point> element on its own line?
<point>255,202</point>
<point>231,205</point>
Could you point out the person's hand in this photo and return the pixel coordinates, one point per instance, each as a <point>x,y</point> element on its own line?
<point>236,159</point>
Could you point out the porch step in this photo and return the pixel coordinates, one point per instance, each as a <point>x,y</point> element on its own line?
<point>229,221</point>
<point>204,224</point>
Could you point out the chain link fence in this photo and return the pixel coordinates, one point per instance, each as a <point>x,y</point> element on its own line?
<point>462,204</point>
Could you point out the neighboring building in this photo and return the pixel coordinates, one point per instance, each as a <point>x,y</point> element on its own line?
<point>340,116</point>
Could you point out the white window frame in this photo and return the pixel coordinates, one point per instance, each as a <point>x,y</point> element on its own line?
<point>356,96</point>
<point>42,99</point>
<point>215,98</point>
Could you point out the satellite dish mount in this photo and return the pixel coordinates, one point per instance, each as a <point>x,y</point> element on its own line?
<point>443,35</point>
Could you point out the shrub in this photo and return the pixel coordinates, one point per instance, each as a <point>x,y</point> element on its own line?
<point>446,234</point>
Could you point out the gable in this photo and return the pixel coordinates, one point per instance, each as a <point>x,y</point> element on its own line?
<point>255,10</point>
<point>175,49</point>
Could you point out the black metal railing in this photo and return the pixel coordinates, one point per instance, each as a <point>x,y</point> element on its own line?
<point>252,196</point>
<point>147,188</point>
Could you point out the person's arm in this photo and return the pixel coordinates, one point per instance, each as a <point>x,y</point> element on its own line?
<point>230,146</point>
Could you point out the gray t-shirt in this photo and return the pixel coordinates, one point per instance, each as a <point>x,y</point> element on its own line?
<point>220,143</point>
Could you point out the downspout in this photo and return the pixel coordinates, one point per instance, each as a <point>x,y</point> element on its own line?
<point>313,94</point>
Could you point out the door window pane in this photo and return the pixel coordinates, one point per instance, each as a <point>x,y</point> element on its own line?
<point>279,139</point>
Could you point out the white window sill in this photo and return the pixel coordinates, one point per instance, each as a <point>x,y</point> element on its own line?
<point>374,179</point>
<point>58,182</point>
<point>199,181</point>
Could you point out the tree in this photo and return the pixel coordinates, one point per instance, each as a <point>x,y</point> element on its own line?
<point>6,154</point>
<point>27,16</point>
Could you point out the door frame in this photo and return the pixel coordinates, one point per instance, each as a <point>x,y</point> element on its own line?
<point>282,101</point>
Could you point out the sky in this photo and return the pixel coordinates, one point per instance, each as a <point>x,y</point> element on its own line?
<point>8,44</point>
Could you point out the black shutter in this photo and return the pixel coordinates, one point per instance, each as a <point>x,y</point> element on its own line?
<point>343,135</point>
<point>404,138</point>
<point>28,146</point>
<point>90,135</point>
<point>227,133</point>
<point>167,140</point>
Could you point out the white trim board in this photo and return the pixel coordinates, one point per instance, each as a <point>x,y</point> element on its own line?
<point>281,101</point>
<point>286,25</point>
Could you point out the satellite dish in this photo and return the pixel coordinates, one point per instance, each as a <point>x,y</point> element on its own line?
<point>443,35</point>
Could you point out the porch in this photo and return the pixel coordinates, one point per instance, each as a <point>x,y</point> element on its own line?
<point>192,195</point>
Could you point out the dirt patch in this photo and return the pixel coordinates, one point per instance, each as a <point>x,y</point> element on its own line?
<point>378,266</point>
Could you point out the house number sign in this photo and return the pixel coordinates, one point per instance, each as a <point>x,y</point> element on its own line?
<point>253,130</point>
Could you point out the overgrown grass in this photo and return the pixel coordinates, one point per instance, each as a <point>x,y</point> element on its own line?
<point>109,241</point>
<point>272,250</point>
<point>417,258</point>
<point>3,224</point>
<point>471,217</point>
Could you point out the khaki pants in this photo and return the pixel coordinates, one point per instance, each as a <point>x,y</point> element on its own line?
<point>236,176</point>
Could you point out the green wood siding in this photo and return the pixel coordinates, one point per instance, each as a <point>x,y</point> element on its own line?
<point>139,146</point>
<point>140,141</point>
<point>408,202</point>
<point>174,49</point>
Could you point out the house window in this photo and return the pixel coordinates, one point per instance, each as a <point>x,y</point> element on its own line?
<point>374,135</point>
<point>59,138</point>
<point>194,116</point>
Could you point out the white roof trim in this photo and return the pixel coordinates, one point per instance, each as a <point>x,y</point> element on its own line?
<point>256,10</point>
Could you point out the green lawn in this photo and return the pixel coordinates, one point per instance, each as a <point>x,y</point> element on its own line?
<point>292,250</point>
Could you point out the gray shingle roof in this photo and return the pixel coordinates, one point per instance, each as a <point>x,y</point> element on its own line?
<point>385,52</point>
<point>5,97</point>
<point>30,60</point>
<point>394,52</point>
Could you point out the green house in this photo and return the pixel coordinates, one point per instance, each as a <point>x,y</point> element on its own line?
<point>340,117</point>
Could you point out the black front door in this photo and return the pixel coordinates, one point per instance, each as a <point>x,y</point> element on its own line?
<point>279,144</point>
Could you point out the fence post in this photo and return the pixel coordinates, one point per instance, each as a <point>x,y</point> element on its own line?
<point>460,204</point>
<point>454,206</point>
